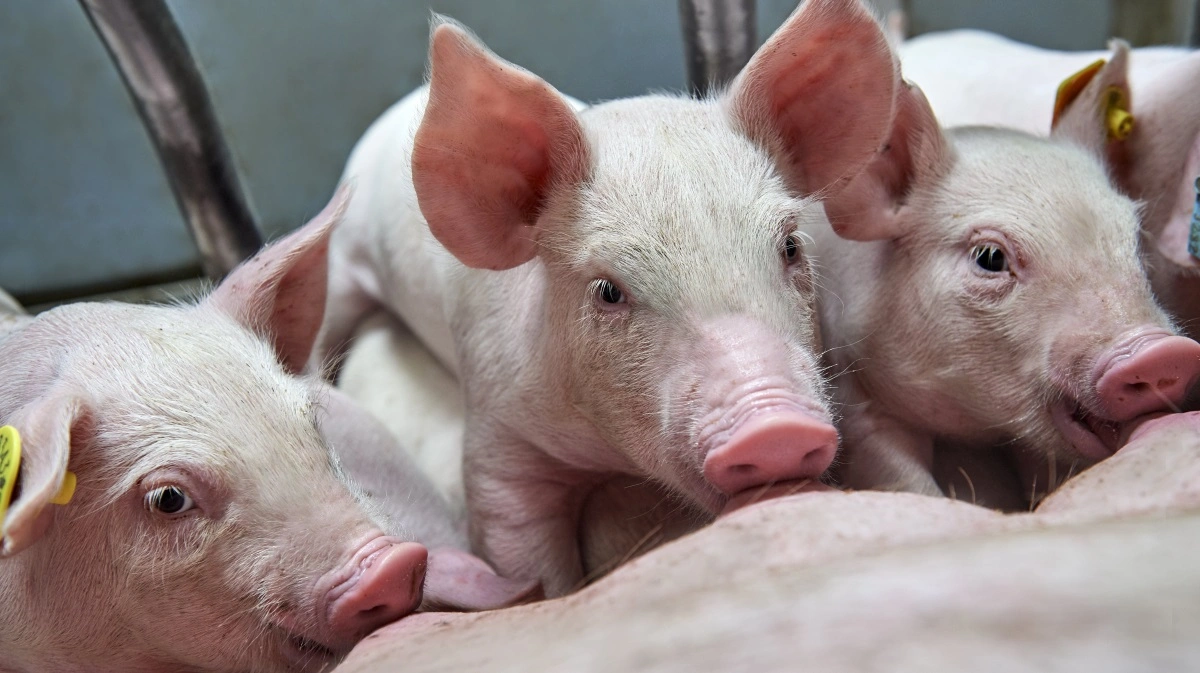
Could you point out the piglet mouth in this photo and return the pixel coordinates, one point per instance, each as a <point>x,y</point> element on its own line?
<point>306,652</point>
<point>1090,435</point>
<point>757,494</point>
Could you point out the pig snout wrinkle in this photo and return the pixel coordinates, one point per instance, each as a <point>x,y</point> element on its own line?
<point>772,447</point>
<point>1152,370</point>
<point>383,585</point>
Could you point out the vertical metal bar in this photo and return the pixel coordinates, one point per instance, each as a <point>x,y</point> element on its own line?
<point>719,37</point>
<point>154,62</point>
<point>1194,26</point>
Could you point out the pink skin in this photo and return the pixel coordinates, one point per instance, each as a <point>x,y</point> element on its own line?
<point>972,77</point>
<point>460,581</point>
<point>756,424</point>
<point>626,290</point>
<point>411,509</point>
<point>983,288</point>
<point>203,470</point>
<point>381,584</point>
<point>1148,371</point>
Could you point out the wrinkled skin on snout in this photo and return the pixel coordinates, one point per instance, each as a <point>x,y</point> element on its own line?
<point>626,294</point>
<point>993,296</point>
<point>212,528</point>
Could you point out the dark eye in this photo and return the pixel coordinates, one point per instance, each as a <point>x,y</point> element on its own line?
<point>609,293</point>
<point>791,248</point>
<point>169,500</point>
<point>990,258</point>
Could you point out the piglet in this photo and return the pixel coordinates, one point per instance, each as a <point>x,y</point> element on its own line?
<point>622,290</point>
<point>210,528</point>
<point>972,77</point>
<point>983,286</point>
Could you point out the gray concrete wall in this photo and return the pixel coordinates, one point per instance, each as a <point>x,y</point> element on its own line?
<point>84,207</point>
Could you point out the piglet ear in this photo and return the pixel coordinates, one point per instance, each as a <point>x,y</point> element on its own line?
<point>495,141</point>
<point>280,292</point>
<point>1092,107</point>
<point>1162,157</point>
<point>872,207</point>
<point>456,580</point>
<point>819,93</point>
<point>45,427</point>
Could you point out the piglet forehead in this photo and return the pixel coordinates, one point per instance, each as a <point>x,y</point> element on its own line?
<point>1064,198</point>
<point>194,387</point>
<point>709,206</point>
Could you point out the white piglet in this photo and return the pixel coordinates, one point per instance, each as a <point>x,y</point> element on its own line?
<point>211,528</point>
<point>992,295</point>
<point>972,77</point>
<point>622,290</point>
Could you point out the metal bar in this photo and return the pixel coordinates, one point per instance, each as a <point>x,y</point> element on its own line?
<point>158,70</point>
<point>719,37</point>
<point>1194,26</point>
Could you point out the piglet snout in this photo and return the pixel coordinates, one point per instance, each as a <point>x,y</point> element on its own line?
<point>383,584</point>
<point>772,447</point>
<point>1150,370</point>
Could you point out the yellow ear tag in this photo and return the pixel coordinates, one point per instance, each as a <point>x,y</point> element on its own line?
<point>1071,87</point>
<point>10,468</point>
<point>1117,118</point>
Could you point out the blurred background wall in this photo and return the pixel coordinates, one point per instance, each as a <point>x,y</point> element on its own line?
<point>84,207</point>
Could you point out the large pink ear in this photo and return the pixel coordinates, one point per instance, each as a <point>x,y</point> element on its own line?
<point>820,93</point>
<point>45,428</point>
<point>873,206</point>
<point>280,292</point>
<point>495,141</point>
<point>1082,111</point>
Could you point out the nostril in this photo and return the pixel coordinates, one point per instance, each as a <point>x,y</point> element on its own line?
<point>1135,389</point>
<point>1148,373</point>
<point>370,615</point>
<point>770,448</point>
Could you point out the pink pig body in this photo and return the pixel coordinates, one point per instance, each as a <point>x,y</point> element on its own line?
<point>993,297</point>
<point>973,77</point>
<point>622,290</point>
<point>212,528</point>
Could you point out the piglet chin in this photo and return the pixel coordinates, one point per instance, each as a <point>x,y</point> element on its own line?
<point>1089,435</point>
<point>303,653</point>
<point>757,494</point>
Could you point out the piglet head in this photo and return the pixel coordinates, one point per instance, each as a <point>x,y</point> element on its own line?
<point>670,235</point>
<point>210,529</point>
<point>1027,314</point>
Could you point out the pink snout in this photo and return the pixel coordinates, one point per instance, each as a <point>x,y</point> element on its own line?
<point>384,584</point>
<point>1151,371</point>
<point>769,448</point>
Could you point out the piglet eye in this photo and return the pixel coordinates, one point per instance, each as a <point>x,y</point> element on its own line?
<point>609,293</point>
<point>169,500</point>
<point>791,248</point>
<point>990,258</point>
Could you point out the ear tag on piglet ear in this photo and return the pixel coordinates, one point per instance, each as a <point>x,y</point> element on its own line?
<point>1117,118</point>
<point>10,469</point>
<point>1118,121</point>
